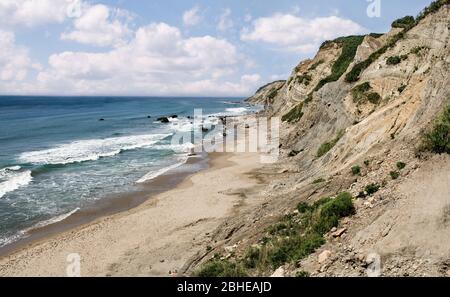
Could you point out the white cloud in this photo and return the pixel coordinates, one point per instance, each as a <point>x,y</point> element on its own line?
<point>225,21</point>
<point>14,60</point>
<point>192,17</point>
<point>159,60</point>
<point>302,35</point>
<point>99,25</point>
<point>35,12</point>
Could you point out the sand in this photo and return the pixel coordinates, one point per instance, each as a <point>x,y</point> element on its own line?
<point>159,236</point>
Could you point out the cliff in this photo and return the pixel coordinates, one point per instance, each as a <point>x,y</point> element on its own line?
<point>354,119</point>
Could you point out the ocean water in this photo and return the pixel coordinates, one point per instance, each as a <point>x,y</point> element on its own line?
<point>57,156</point>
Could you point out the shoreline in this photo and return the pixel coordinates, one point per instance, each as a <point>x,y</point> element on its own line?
<point>109,205</point>
<point>184,214</point>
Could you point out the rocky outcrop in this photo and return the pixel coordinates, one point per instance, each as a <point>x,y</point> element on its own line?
<point>374,123</point>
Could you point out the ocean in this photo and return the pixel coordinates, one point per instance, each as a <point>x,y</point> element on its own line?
<point>62,154</point>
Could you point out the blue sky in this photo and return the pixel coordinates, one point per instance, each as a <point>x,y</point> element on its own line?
<point>172,47</point>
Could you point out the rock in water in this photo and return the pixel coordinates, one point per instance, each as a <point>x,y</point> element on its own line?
<point>163,120</point>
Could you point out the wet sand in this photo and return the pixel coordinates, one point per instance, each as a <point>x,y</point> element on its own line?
<point>156,237</point>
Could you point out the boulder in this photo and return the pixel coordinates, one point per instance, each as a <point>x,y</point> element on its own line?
<point>174,116</point>
<point>163,119</point>
<point>324,256</point>
<point>205,129</point>
<point>338,233</point>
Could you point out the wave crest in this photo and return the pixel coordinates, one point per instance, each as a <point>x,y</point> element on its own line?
<point>89,150</point>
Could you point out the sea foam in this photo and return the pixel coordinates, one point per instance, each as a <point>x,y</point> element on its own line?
<point>13,179</point>
<point>90,150</point>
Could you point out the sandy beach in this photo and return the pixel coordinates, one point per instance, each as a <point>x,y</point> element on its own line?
<point>152,239</point>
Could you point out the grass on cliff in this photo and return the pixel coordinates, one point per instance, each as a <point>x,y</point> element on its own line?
<point>327,146</point>
<point>349,47</point>
<point>405,23</point>
<point>293,238</point>
<point>437,140</point>
<point>362,93</point>
<point>294,115</point>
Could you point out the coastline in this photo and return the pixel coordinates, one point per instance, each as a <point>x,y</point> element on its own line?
<point>151,239</point>
<point>109,205</point>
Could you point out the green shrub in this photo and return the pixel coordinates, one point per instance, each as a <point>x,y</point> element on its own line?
<point>418,50</point>
<point>367,162</point>
<point>394,174</point>
<point>293,238</point>
<point>374,98</point>
<point>401,165</point>
<point>274,229</point>
<point>252,257</point>
<point>327,146</point>
<point>404,22</point>
<point>221,268</point>
<point>356,170</point>
<point>294,115</point>
<point>372,189</point>
<point>302,273</point>
<point>318,181</point>
<point>303,207</point>
<point>438,139</point>
<point>332,211</point>
<point>394,60</point>
<point>361,93</point>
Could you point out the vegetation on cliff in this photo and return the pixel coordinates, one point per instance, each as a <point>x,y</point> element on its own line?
<point>405,23</point>
<point>294,115</point>
<point>437,139</point>
<point>293,238</point>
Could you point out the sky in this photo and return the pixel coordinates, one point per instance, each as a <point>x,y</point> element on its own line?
<point>172,47</point>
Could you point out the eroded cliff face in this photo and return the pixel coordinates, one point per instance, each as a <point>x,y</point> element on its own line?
<point>390,103</point>
<point>333,121</point>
